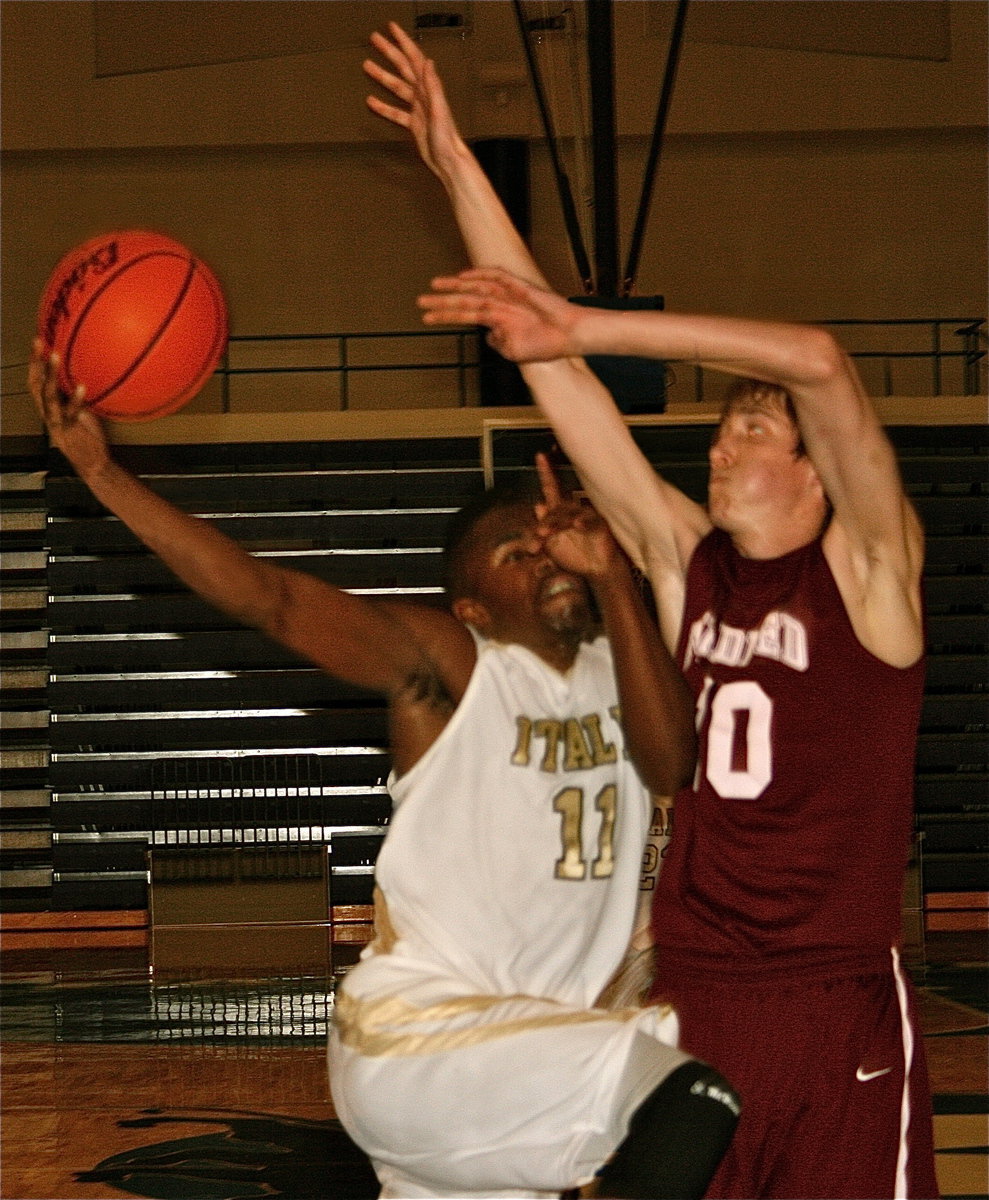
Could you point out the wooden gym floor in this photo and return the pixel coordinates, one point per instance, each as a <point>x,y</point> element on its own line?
<point>117,1082</point>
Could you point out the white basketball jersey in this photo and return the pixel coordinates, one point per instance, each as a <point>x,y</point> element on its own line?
<point>514,852</point>
<point>466,1057</point>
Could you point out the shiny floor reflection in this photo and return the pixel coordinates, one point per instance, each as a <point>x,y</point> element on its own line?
<point>121,1082</point>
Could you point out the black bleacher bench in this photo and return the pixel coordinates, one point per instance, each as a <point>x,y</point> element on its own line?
<point>203,706</point>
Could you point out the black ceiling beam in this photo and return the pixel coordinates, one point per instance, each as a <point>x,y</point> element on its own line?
<point>656,146</point>
<point>600,61</point>
<point>562,182</point>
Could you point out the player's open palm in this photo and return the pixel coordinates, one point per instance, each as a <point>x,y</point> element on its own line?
<point>424,110</point>
<point>526,323</point>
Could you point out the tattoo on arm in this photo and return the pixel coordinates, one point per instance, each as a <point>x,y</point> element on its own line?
<point>424,685</point>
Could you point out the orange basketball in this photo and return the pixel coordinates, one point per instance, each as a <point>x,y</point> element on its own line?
<point>138,319</point>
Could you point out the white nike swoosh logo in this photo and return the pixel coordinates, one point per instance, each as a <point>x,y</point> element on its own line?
<point>865,1076</point>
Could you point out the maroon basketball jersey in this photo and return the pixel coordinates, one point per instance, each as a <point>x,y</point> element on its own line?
<point>790,848</point>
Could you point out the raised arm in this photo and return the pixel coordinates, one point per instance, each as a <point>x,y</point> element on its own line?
<point>489,235</point>
<point>838,423</point>
<point>655,523</point>
<point>352,638</point>
<point>874,542</point>
<point>656,704</point>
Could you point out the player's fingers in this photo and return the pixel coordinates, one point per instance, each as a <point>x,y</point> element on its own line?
<point>433,86</point>
<point>37,363</point>
<point>43,383</point>
<point>494,277</point>
<point>440,314</point>
<point>440,300</point>
<point>400,57</point>
<point>451,289</point>
<point>551,521</point>
<point>498,282</point>
<point>52,391</point>
<point>492,273</point>
<point>453,316</point>
<point>397,116</point>
<point>568,513</point>
<point>387,78</point>
<point>408,45</point>
<point>60,409</point>
<point>452,310</point>
<point>74,404</point>
<point>461,284</point>
<point>36,377</point>
<point>586,519</point>
<point>374,70</point>
<point>392,83</point>
<point>548,482</point>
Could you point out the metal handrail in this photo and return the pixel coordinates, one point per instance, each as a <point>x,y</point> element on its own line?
<point>344,367</point>
<point>972,331</point>
<point>972,353</point>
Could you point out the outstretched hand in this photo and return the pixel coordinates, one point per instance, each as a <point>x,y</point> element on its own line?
<point>576,537</point>
<point>73,428</point>
<point>526,323</point>
<point>423,109</point>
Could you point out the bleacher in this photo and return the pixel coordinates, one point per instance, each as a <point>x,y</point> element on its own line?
<point>145,735</point>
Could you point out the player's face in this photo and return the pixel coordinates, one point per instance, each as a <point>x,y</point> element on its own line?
<point>522,591</point>
<point>756,470</point>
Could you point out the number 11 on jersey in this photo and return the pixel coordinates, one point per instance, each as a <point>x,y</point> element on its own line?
<point>570,805</point>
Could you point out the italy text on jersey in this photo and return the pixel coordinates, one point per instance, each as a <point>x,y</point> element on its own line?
<point>568,745</point>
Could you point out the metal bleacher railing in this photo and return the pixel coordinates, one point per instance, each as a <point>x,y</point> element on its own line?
<point>969,352</point>
<point>909,356</point>
<point>335,355</point>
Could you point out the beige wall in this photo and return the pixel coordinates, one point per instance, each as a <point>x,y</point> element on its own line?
<point>795,182</point>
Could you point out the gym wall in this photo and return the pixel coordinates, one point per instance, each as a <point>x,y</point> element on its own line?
<point>811,171</point>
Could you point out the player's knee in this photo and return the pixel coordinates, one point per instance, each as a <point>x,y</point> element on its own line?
<point>709,1085</point>
<point>676,1138</point>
